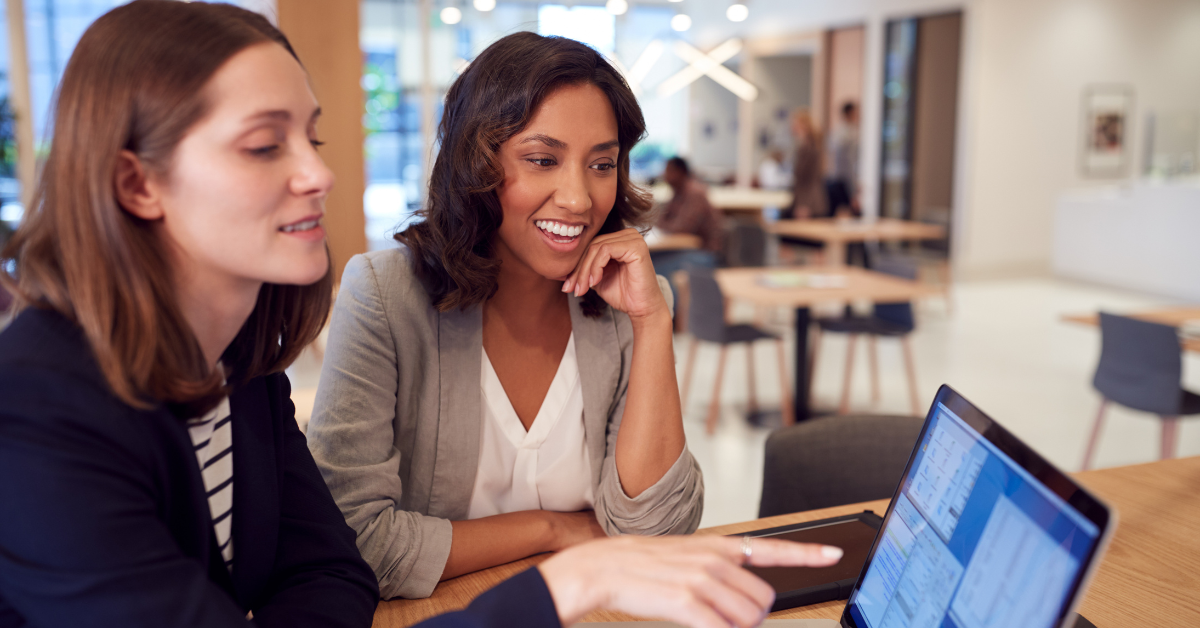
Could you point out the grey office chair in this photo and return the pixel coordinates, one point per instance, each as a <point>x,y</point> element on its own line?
<point>893,320</point>
<point>746,245</point>
<point>1141,365</point>
<point>832,461</point>
<point>706,322</point>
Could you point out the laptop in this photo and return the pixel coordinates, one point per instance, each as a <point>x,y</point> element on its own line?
<point>981,533</point>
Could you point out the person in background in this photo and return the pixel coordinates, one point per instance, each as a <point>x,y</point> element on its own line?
<point>172,264</point>
<point>842,182</point>
<point>773,172</point>
<point>688,211</point>
<point>808,189</point>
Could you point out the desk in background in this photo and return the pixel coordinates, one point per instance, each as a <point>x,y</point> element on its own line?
<point>842,284</point>
<point>735,201</point>
<point>1150,575</point>
<point>1172,316</point>
<point>659,241</point>
<point>836,233</point>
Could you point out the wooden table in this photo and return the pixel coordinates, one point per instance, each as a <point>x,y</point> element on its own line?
<point>735,200</point>
<point>1150,576</point>
<point>746,284</point>
<point>658,241</point>
<point>836,233</point>
<point>1173,316</point>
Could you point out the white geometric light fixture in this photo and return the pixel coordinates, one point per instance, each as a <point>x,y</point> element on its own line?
<point>737,12</point>
<point>617,7</point>
<point>484,5</point>
<point>710,65</point>
<point>451,15</point>
<point>681,22</point>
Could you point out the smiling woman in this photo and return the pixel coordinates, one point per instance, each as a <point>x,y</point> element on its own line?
<point>504,383</point>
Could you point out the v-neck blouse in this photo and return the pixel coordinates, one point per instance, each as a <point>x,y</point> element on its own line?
<point>544,468</point>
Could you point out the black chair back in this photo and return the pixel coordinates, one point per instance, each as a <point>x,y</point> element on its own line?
<point>746,246</point>
<point>706,312</point>
<point>833,461</point>
<point>1141,365</point>
<point>899,315</point>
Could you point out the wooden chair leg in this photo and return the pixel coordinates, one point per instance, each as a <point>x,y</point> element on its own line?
<point>1170,434</point>
<point>910,367</point>
<point>873,355</point>
<point>1095,437</point>
<point>785,393</point>
<point>812,357</point>
<point>753,405</point>
<point>693,346</point>
<point>710,424</point>
<point>844,407</point>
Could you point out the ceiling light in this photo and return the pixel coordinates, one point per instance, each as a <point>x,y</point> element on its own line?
<point>616,7</point>
<point>736,12</point>
<point>485,5</point>
<point>711,65</point>
<point>674,0</point>
<point>451,15</point>
<point>681,22</point>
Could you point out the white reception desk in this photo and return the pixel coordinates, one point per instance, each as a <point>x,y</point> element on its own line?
<point>1143,236</point>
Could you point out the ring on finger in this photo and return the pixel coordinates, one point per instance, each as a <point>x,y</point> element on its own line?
<point>747,551</point>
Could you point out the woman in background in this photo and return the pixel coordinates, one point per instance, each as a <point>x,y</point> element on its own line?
<point>808,186</point>
<point>503,384</point>
<point>172,264</point>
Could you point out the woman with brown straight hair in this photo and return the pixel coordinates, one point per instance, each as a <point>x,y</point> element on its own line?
<point>503,383</point>
<point>171,265</point>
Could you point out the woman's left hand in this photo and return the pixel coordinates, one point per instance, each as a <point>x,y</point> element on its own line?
<point>617,265</point>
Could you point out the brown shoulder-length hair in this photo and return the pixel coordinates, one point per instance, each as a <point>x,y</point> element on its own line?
<point>493,100</point>
<point>136,82</point>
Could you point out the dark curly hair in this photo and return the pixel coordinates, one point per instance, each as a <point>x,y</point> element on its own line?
<point>493,100</point>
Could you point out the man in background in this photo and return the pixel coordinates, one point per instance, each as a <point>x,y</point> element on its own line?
<point>688,211</point>
<point>842,184</point>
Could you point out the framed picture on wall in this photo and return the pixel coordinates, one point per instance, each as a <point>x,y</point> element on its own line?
<point>1107,116</point>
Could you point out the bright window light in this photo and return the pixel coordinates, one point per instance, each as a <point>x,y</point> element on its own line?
<point>591,25</point>
<point>451,15</point>
<point>485,5</point>
<point>737,12</point>
<point>617,7</point>
<point>681,22</point>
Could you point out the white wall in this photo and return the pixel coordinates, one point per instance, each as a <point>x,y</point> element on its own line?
<point>1031,64</point>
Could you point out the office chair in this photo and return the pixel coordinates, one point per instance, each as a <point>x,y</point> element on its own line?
<point>1141,365</point>
<point>706,322</point>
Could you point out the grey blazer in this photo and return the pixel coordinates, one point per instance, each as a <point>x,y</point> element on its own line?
<point>398,417</point>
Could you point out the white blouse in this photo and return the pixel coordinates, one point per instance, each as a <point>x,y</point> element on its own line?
<point>545,468</point>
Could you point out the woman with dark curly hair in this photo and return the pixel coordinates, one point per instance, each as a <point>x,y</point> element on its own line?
<point>503,383</point>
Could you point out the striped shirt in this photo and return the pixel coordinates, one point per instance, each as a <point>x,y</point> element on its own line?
<point>213,441</point>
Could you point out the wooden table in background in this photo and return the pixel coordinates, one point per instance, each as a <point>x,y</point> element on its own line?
<point>836,233</point>
<point>1149,577</point>
<point>673,242</point>
<point>1173,316</point>
<point>734,200</point>
<point>745,284</point>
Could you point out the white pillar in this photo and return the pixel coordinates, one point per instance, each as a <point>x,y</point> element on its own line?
<point>871,114</point>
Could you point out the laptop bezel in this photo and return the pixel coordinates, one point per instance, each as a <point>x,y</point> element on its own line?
<point>1103,516</point>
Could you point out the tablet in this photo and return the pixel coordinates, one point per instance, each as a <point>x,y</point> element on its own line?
<point>799,586</point>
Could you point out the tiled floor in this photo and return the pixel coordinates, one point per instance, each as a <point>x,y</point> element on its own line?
<point>1003,347</point>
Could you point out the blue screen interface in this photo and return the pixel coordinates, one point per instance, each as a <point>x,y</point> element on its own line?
<point>974,541</point>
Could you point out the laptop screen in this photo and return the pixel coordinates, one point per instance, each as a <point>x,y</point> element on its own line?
<point>973,540</point>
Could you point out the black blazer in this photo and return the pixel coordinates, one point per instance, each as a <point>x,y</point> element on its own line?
<point>104,519</point>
